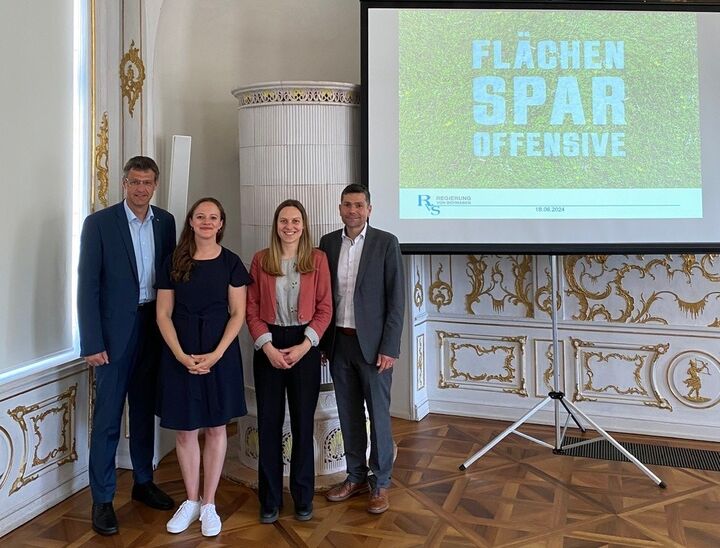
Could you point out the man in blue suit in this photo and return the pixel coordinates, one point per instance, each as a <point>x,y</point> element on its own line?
<point>121,249</point>
<point>367,283</point>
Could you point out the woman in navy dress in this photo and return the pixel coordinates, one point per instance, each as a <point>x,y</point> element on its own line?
<point>200,310</point>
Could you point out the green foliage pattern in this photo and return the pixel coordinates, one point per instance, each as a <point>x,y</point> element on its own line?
<point>662,136</point>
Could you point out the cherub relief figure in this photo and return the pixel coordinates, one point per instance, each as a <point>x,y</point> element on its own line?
<point>694,382</point>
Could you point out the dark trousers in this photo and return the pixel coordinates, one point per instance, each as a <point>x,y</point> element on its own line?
<point>302,384</point>
<point>357,383</point>
<point>133,376</point>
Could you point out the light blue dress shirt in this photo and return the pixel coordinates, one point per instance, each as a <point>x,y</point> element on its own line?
<point>143,240</point>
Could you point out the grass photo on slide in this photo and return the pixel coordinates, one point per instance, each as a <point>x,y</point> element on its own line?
<point>662,130</point>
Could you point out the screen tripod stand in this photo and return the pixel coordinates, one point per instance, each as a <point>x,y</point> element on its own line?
<point>557,397</point>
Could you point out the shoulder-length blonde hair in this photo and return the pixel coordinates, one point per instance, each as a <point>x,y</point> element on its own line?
<point>271,260</point>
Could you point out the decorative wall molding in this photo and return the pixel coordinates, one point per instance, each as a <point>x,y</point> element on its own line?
<point>489,363</point>
<point>507,281</point>
<point>420,361</point>
<point>418,296</point>
<point>43,440</point>
<point>327,93</point>
<point>132,76</point>
<point>102,151</point>
<point>106,103</point>
<point>694,379</point>
<point>6,456</point>
<point>638,289</point>
<point>544,363</point>
<point>617,372</point>
<point>638,334</point>
<point>38,453</point>
<point>440,292</point>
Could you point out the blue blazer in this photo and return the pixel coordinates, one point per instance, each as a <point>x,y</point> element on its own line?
<point>108,286</point>
<point>379,297</point>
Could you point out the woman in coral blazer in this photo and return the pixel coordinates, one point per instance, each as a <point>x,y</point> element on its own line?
<point>289,308</point>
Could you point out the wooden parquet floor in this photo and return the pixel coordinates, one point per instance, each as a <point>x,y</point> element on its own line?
<point>519,494</point>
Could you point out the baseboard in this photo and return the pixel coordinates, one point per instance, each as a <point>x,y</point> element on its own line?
<point>422,410</point>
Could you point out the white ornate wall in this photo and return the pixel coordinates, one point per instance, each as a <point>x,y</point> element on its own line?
<point>205,49</point>
<point>43,442</point>
<point>44,417</point>
<point>639,338</point>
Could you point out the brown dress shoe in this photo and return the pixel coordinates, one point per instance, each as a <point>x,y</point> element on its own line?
<point>346,490</point>
<point>378,502</point>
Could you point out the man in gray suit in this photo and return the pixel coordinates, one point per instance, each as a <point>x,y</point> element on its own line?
<point>367,282</point>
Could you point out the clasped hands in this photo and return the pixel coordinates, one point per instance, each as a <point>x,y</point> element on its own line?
<point>285,358</point>
<point>199,364</point>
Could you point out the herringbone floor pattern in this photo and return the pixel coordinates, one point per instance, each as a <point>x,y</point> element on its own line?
<point>517,495</point>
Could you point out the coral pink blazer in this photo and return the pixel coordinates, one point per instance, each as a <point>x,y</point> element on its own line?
<point>314,300</point>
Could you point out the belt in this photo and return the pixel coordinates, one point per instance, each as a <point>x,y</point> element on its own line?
<point>148,304</point>
<point>349,331</point>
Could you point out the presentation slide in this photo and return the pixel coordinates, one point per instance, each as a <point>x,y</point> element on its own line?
<point>541,126</point>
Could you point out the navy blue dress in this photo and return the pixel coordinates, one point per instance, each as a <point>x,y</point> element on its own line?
<point>200,314</point>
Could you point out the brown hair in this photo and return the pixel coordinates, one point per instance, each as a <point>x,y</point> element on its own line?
<point>182,258</point>
<point>271,259</point>
<point>141,163</point>
<point>356,188</point>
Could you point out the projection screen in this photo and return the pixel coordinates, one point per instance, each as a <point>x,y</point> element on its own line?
<point>543,128</point>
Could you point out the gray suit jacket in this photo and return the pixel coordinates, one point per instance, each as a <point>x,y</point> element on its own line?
<point>379,298</point>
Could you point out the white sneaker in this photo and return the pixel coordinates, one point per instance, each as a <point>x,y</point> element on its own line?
<point>211,524</point>
<point>188,512</point>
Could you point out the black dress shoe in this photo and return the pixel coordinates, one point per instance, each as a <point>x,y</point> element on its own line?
<point>304,512</point>
<point>104,521</point>
<point>269,515</point>
<point>151,495</point>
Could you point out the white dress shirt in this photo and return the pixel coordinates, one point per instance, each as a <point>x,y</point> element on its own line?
<point>350,253</point>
